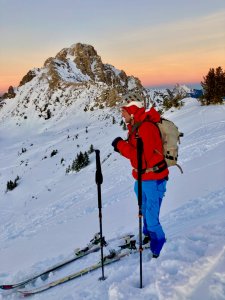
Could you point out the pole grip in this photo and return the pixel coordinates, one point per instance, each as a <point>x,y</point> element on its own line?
<point>98,174</point>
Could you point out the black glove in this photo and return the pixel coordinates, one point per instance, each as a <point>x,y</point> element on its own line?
<point>115,142</point>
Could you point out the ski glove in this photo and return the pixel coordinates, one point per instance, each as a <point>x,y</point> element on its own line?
<point>115,142</point>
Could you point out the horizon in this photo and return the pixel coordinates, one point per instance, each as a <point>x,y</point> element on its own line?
<point>160,43</point>
<point>190,85</point>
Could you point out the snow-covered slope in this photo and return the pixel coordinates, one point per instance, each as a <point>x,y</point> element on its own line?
<point>50,213</point>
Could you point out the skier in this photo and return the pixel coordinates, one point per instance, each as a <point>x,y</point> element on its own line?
<point>154,168</point>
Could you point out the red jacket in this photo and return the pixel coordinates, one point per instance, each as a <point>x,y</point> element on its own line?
<point>152,145</point>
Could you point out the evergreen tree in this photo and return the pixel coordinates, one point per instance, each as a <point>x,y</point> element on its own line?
<point>91,150</point>
<point>220,84</point>
<point>12,184</point>
<point>213,85</point>
<point>81,161</point>
<point>86,159</point>
<point>209,87</point>
<point>54,152</point>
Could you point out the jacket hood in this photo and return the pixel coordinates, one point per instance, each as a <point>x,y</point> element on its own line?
<point>153,115</point>
<point>140,115</point>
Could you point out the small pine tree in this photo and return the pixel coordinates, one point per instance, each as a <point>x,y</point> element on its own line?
<point>81,161</point>
<point>24,150</point>
<point>91,150</point>
<point>75,165</point>
<point>124,126</point>
<point>11,185</point>
<point>54,152</point>
<point>121,123</point>
<point>86,159</point>
<point>113,120</point>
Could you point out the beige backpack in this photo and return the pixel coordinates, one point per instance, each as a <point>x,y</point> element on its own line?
<point>170,138</point>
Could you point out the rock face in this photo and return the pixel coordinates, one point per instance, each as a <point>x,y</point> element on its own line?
<point>90,64</point>
<point>11,94</point>
<point>74,71</point>
<point>28,77</point>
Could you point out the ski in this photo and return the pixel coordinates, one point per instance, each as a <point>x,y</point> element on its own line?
<point>109,259</point>
<point>93,246</point>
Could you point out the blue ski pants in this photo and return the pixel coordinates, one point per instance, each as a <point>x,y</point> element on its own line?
<point>153,192</point>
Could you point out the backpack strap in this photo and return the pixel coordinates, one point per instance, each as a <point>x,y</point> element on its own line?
<point>147,119</point>
<point>136,126</point>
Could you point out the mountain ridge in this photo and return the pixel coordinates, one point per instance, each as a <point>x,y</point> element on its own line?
<point>75,71</point>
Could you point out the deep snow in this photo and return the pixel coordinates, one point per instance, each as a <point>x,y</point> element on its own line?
<point>51,213</point>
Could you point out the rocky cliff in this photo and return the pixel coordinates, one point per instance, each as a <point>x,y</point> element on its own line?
<point>77,71</point>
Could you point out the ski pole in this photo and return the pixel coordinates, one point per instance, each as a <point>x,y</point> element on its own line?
<point>99,180</point>
<point>139,159</point>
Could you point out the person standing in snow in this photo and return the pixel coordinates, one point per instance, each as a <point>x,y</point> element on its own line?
<point>154,168</point>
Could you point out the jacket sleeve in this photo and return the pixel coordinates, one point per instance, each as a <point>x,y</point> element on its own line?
<point>126,149</point>
<point>151,139</point>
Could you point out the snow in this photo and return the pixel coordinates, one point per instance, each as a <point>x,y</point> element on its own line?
<point>69,72</point>
<point>131,84</point>
<point>50,213</point>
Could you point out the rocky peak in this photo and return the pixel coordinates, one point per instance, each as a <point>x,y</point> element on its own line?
<point>84,56</point>
<point>11,93</point>
<point>78,63</point>
<point>83,60</point>
<point>75,72</point>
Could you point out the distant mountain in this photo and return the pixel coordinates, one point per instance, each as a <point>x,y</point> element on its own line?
<point>75,72</point>
<point>158,95</point>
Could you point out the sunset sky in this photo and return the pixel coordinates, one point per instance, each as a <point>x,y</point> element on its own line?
<point>161,42</point>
